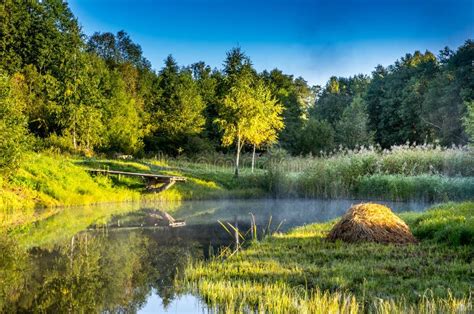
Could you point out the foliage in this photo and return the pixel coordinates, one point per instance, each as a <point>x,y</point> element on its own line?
<point>13,132</point>
<point>297,98</point>
<point>48,182</point>
<point>337,95</point>
<point>469,121</point>
<point>352,129</point>
<point>248,113</point>
<point>316,137</point>
<point>176,110</point>
<point>402,173</point>
<point>449,223</point>
<point>101,95</point>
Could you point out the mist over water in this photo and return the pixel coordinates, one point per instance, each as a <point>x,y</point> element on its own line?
<point>126,263</point>
<point>294,212</point>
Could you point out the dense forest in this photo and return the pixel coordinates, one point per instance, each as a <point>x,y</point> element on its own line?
<point>64,90</point>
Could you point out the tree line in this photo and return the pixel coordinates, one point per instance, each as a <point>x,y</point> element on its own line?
<point>99,94</point>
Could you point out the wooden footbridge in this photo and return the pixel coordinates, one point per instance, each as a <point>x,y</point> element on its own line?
<point>154,182</point>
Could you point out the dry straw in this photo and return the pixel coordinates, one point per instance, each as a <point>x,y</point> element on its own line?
<point>372,223</point>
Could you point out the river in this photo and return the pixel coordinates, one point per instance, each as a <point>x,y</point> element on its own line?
<point>118,258</point>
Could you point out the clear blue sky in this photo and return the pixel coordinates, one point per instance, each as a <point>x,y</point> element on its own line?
<point>313,39</point>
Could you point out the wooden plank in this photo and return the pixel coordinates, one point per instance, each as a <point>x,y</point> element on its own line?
<point>138,174</point>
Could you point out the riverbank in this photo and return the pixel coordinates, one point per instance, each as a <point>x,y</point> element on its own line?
<point>47,181</point>
<point>301,272</point>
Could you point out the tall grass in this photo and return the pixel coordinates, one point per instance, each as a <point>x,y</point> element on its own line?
<point>301,272</point>
<point>402,173</point>
<point>244,297</point>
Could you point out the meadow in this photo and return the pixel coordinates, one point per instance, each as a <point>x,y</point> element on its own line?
<point>302,272</point>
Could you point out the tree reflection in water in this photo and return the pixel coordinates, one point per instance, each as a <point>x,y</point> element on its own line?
<point>93,272</point>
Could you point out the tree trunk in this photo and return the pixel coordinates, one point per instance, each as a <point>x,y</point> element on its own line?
<point>237,157</point>
<point>253,158</point>
<point>74,142</point>
<point>74,138</point>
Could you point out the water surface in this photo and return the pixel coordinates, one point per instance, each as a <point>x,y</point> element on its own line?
<point>120,258</point>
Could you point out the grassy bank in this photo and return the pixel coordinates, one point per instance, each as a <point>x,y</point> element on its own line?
<point>301,272</point>
<point>46,182</point>
<point>43,183</point>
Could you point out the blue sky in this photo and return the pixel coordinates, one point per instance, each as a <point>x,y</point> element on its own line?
<point>313,39</point>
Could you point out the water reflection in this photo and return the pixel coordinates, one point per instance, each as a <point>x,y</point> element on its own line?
<point>128,262</point>
<point>93,272</point>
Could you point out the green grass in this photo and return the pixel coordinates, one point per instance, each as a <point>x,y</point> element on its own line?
<point>47,181</point>
<point>403,173</point>
<point>302,270</point>
<point>451,224</point>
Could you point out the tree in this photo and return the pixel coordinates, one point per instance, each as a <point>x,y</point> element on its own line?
<point>351,129</point>
<point>395,97</point>
<point>337,96</point>
<point>317,137</point>
<point>468,121</point>
<point>13,131</point>
<point>296,97</point>
<point>248,114</point>
<point>236,114</point>
<point>209,83</point>
<point>178,108</point>
<point>268,121</point>
<point>44,34</point>
<point>123,127</point>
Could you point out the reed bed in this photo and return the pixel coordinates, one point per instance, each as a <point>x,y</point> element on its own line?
<point>405,172</point>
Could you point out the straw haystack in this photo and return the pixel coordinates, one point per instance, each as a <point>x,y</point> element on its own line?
<point>373,223</point>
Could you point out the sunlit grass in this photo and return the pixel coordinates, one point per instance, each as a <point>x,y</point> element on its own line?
<point>45,182</point>
<point>304,271</point>
<point>403,173</point>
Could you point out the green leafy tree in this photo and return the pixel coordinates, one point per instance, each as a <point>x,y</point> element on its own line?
<point>268,120</point>
<point>395,99</point>
<point>13,131</point>
<point>178,109</point>
<point>468,121</point>
<point>296,97</point>
<point>236,114</point>
<point>317,137</point>
<point>248,113</point>
<point>337,96</point>
<point>124,127</point>
<point>209,82</point>
<point>351,129</point>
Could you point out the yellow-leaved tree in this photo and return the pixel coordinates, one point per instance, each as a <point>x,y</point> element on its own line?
<point>268,120</point>
<point>248,114</point>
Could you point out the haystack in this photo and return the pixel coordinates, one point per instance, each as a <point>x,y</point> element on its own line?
<point>372,223</point>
